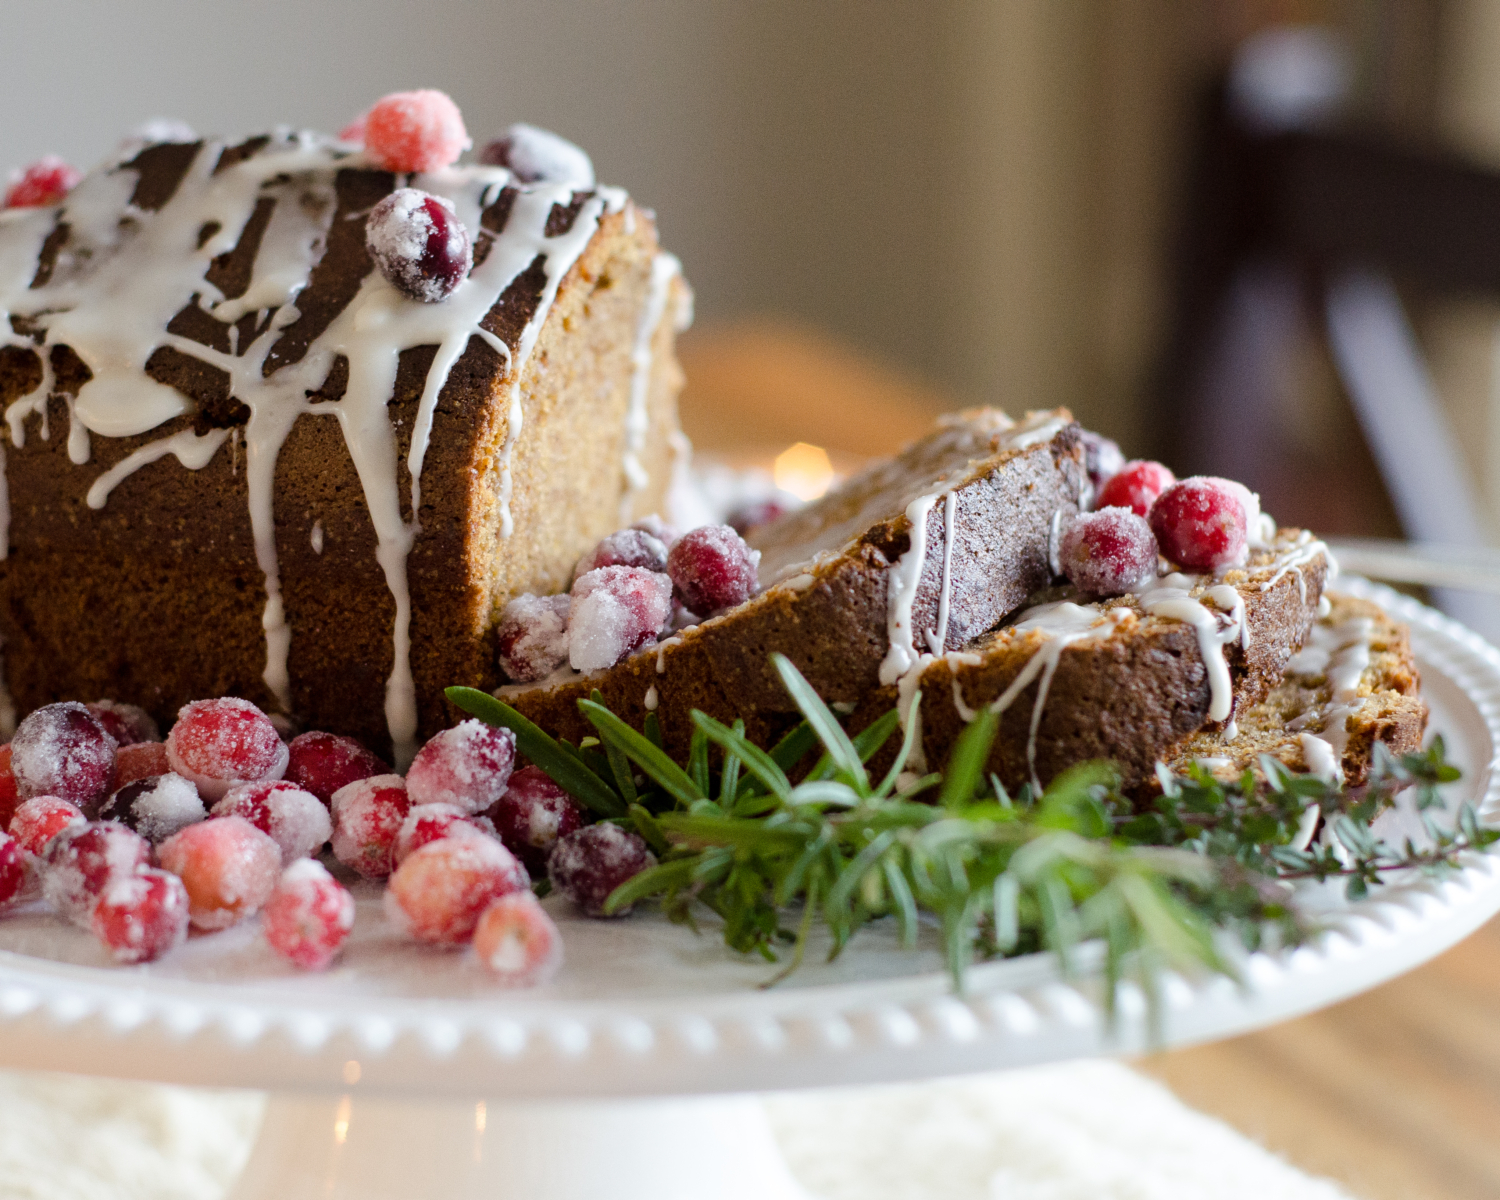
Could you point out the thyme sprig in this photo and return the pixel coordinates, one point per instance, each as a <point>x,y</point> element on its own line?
<point>1159,885</point>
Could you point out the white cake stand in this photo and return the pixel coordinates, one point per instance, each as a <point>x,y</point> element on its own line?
<point>404,1073</point>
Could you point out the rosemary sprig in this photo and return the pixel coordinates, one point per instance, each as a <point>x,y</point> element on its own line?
<point>998,874</point>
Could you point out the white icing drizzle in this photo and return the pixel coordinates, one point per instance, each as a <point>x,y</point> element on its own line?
<point>661,650</point>
<point>316,537</point>
<point>1171,596</point>
<point>1320,756</point>
<point>664,269</point>
<point>1054,543</point>
<point>651,699</point>
<point>1304,550</point>
<point>798,583</point>
<point>936,640</point>
<point>124,273</point>
<point>1324,607</point>
<point>1231,729</point>
<point>902,581</point>
<point>1340,654</point>
<point>1306,827</point>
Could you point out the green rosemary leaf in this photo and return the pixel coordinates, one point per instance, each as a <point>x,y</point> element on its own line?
<point>795,746</point>
<point>646,825</point>
<point>760,764</point>
<point>966,764</point>
<point>729,778</point>
<point>909,738</point>
<point>651,759</point>
<point>651,727</point>
<point>697,763</point>
<point>902,901</point>
<point>835,741</point>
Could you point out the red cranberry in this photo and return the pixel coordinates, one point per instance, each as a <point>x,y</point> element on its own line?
<point>140,917</point>
<point>439,893</point>
<point>414,131</point>
<point>1108,552</point>
<point>537,156</point>
<point>533,636</point>
<point>63,750</point>
<point>13,871</point>
<point>431,823</point>
<point>1102,458</point>
<point>628,548</point>
<point>38,820</point>
<point>533,814</point>
<point>82,859</point>
<point>308,917</point>
<point>1135,486</point>
<point>322,763</point>
<point>128,724</point>
<point>218,743</point>
<point>663,532</point>
<point>367,817</point>
<point>467,766</point>
<point>712,568</point>
<point>228,866</point>
<point>614,612</point>
<point>140,761</point>
<point>419,244</point>
<point>590,863</point>
<point>518,942</point>
<point>10,797</point>
<point>757,513</point>
<point>155,807</point>
<point>295,819</point>
<point>46,181</point>
<point>1200,524</point>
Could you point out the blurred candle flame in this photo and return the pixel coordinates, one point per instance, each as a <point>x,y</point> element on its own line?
<point>804,471</point>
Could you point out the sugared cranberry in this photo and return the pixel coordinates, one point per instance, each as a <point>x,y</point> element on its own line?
<point>757,513</point>
<point>415,131</point>
<point>627,548</point>
<point>218,743</point>
<point>228,866</point>
<point>308,917</point>
<point>63,750</point>
<point>322,763</point>
<point>438,894</point>
<point>712,568</point>
<point>128,724</point>
<point>367,816</point>
<point>155,807</point>
<point>13,873</point>
<point>431,823</point>
<point>1135,486</point>
<point>82,859</point>
<point>590,863</point>
<point>1200,524</point>
<point>419,244</point>
<point>467,766</point>
<point>663,532</point>
<point>142,916</point>
<point>533,636</point>
<point>140,761</point>
<point>9,796</point>
<point>1102,458</point>
<point>538,156</point>
<point>354,132</point>
<point>46,181</point>
<point>295,819</point>
<point>614,612</point>
<point>518,942</point>
<point>38,820</point>
<point>532,815</point>
<point>1108,552</point>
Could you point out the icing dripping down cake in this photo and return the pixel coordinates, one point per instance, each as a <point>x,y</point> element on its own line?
<point>239,461</point>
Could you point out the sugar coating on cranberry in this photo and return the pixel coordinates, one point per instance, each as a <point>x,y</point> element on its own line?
<point>467,766</point>
<point>128,724</point>
<point>1200,524</point>
<point>38,820</point>
<point>367,817</point>
<point>627,548</point>
<point>82,859</point>
<point>140,761</point>
<point>1102,458</point>
<point>1108,552</point>
<point>10,798</point>
<point>439,893</point>
<point>322,763</point>
<point>419,244</point>
<point>62,750</point>
<point>354,132</point>
<point>1135,486</point>
<point>712,568</point>
<point>218,743</point>
<point>415,131</point>
<point>663,531</point>
<point>432,822</point>
<point>590,863</point>
<point>518,942</point>
<point>614,612</point>
<point>46,181</point>
<point>309,915</point>
<point>155,807</point>
<point>228,866</point>
<point>535,155</point>
<point>13,873</point>
<point>757,513</point>
<point>141,917</point>
<point>533,636</point>
<point>296,820</point>
<point>533,814</point>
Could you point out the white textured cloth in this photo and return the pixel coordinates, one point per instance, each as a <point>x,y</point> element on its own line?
<point>1079,1131</point>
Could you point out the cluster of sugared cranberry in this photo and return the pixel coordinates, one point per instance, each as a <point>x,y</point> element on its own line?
<point>1141,512</point>
<point>627,591</point>
<point>140,839</point>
